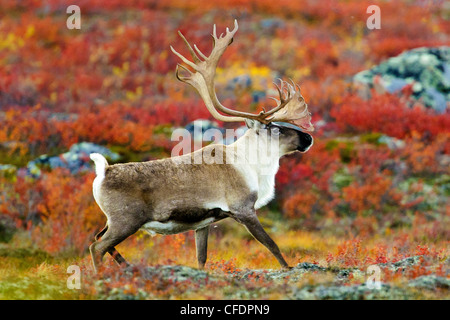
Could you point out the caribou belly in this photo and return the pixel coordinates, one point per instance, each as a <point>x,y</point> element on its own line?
<point>173,227</point>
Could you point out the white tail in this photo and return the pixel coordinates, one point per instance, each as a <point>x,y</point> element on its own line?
<point>100,163</point>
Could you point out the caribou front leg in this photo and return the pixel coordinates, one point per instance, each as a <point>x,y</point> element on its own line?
<point>250,220</point>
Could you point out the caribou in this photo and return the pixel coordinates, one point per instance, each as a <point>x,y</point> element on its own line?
<point>176,194</point>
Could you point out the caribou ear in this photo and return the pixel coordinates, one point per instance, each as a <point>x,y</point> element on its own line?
<point>254,124</point>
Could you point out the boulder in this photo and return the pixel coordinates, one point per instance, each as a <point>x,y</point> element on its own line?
<point>426,70</point>
<point>76,159</point>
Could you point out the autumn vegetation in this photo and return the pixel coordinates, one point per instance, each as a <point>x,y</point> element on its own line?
<point>352,201</point>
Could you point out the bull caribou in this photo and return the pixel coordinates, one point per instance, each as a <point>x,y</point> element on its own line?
<point>175,195</point>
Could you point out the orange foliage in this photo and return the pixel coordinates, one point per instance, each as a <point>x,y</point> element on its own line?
<point>69,216</point>
<point>61,203</point>
<point>369,195</point>
<point>424,156</point>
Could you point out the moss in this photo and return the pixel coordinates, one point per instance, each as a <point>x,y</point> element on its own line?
<point>165,129</point>
<point>15,158</point>
<point>342,179</point>
<point>35,288</point>
<point>346,149</point>
<point>331,145</point>
<point>24,257</point>
<point>372,138</point>
<point>126,155</point>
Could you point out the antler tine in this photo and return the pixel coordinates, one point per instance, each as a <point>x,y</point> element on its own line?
<point>273,98</point>
<point>214,34</point>
<point>232,32</point>
<point>284,90</point>
<point>177,73</point>
<point>292,85</point>
<point>236,27</point>
<point>280,92</point>
<point>199,52</point>
<point>189,63</point>
<point>280,88</point>
<point>287,89</point>
<point>191,51</point>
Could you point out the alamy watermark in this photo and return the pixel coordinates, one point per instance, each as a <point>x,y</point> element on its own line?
<point>374,277</point>
<point>74,20</point>
<point>374,21</point>
<point>74,280</point>
<point>263,151</point>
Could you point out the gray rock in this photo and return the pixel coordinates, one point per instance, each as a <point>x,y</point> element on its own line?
<point>430,282</point>
<point>402,264</point>
<point>271,24</point>
<point>427,69</point>
<point>76,159</point>
<point>391,142</point>
<point>178,273</point>
<point>356,292</point>
<point>239,82</point>
<point>292,275</point>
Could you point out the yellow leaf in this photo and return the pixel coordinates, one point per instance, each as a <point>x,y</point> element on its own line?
<point>30,32</point>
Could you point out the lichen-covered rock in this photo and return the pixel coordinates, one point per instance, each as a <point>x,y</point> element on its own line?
<point>430,282</point>
<point>76,159</point>
<point>427,70</point>
<point>163,277</point>
<point>7,169</point>
<point>293,274</point>
<point>240,82</point>
<point>336,283</point>
<point>391,142</point>
<point>356,292</point>
<point>178,273</point>
<point>402,264</point>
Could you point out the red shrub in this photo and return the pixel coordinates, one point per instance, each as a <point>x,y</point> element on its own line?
<point>388,114</point>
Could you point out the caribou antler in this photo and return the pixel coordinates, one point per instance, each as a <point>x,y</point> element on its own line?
<point>291,106</point>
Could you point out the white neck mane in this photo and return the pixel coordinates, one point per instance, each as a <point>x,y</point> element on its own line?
<point>258,162</point>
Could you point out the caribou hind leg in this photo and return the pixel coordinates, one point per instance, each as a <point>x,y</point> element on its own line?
<point>111,236</point>
<point>120,260</point>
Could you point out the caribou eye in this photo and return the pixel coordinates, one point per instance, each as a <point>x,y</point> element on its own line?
<point>275,131</point>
